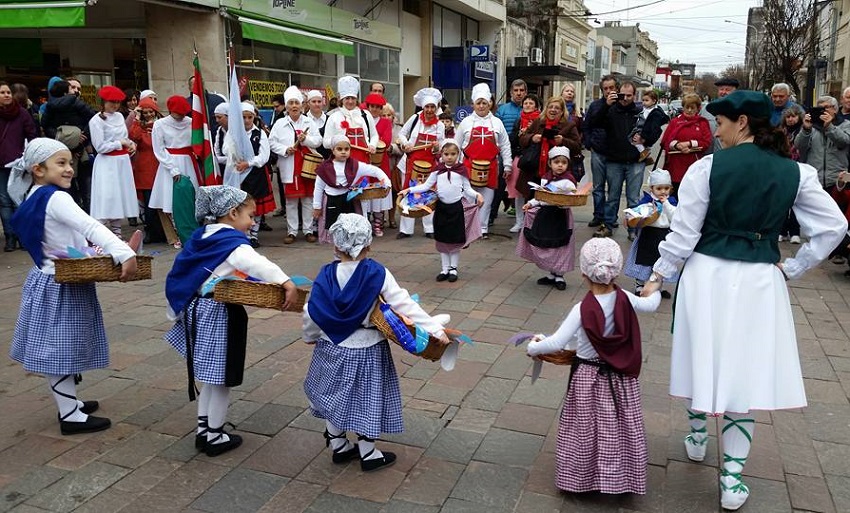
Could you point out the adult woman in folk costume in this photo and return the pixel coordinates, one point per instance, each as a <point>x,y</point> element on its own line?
<point>420,137</point>
<point>482,137</point>
<point>352,122</point>
<point>291,138</point>
<point>734,346</point>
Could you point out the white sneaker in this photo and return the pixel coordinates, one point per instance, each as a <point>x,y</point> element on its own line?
<point>695,448</point>
<point>733,493</point>
<point>795,239</point>
<point>781,238</point>
<point>516,228</point>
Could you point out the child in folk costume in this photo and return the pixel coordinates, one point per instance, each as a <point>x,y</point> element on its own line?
<point>547,235</point>
<point>248,172</point>
<point>352,382</point>
<point>59,332</point>
<point>375,104</point>
<point>221,119</point>
<point>644,251</point>
<point>291,138</point>
<point>334,177</point>
<point>172,145</point>
<point>482,136</point>
<point>350,121</point>
<point>601,437</point>
<point>456,222</point>
<point>113,193</point>
<point>425,132</point>
<point>212,335</point>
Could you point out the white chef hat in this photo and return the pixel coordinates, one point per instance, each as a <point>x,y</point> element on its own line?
<point>348,86</point>
<point>313,93</point>
<point>293,93</point>
<point>249,107</point>
<point>427,96</point>
<point>660,177</point>
<point>339,138</point>
<point>480,91</point>
<point>221,108</point>
<point>559,151</point>
<point>147,92</point>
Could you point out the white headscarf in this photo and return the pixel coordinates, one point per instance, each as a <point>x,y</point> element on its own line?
<point>144,94</point>
<point>559,151</point>
<point>338,138</point>
<point>351,233</point>
<point>660,177</point>
<point>216,200</point>
<point>313,93</point>
<point>222,109</point>
<point>448,140</point>
<point>37,151</point>
<point>248,107</point>
<point>601,260</point>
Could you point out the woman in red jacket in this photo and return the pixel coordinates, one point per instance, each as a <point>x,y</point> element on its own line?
<point>145,165</point>
<point>685,140</point>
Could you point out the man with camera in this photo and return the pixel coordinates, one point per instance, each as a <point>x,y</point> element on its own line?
<point>824,140</point>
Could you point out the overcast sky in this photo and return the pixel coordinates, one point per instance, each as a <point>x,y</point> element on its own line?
<point>692,31</point>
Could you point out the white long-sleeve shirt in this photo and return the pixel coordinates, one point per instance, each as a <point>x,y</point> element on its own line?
<point>816,212</point>
<point>570,335</point>
<point>339,167</point>
<point>464,130</point>
<point>282,137</point>
<point>170,133</point>
<point>355,119</point>
<point>318,122</point>
<point>393,294</point>
<point>245,259</point>
<point>448,191</point>
<point>66,224</point>
<point>107,134</point>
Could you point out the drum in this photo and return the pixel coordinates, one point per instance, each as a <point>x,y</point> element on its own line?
<point>378,157</point>
<point>421,170</point>
<point>311,162</point>
<point>480,173</point>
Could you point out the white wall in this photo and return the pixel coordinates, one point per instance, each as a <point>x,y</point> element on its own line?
<point>411,45</point>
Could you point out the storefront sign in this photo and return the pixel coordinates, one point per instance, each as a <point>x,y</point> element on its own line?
<point>262,91</point>
<point>462,112</point>
<point>362,25</point>
<point>479,53</point>
<point>88,93</point>
<point>284,4</point>
<point>484,70</point>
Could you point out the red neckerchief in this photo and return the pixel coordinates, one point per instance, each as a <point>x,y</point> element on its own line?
<point>458,168</point>
<point>544,146</point>
<point>525,118</point>
<point>552,177</point>
<point>426,122</point>
<point>621,349</point>
<point>327,173</point>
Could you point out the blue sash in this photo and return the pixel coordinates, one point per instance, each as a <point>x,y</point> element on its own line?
<point>28,222</point>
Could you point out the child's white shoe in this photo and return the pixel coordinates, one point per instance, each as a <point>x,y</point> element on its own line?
<point>795,239</point>
<point>733,492</point>
<point>516,228</point>
<point>695,447</point>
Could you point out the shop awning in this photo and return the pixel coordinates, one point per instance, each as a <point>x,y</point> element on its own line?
<point>42,13</point>
<point>552,73</point>
<point>272,33</point>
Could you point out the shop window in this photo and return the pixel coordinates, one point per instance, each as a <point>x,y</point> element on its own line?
<point>452,29</point>
<point>374,64</point>
<point>471,29</point>
<point>437,26</point>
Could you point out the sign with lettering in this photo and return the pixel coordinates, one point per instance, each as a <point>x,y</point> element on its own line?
<point>262,91</point>
<point>479,53</point>
<point>484,70</point>
<point>361,24</point>
<point>284,4</point>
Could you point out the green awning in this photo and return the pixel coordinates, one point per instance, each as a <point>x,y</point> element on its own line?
<point>42,14</point>
<point>284,36</point>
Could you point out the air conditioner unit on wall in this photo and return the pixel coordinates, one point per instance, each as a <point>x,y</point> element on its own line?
<point>521,61</point>
<point>537,55</point>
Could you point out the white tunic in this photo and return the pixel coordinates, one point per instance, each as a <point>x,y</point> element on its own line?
<point>393,294</point>
<point>113,191</point>
<point>66,224</point>
<point>448,191</point>
<point>734,344</point>
<point>355,119</point>
<point>464,129</point>
<point>170,133</point>
<point>409,133</point>
<point>339,168</point>
<point>282,137</point>
<point>318,122</point>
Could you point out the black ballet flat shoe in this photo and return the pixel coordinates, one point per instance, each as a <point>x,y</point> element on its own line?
<point>91,425</point>
<point>429,235</point>
<point>442,277</point>
<point>561,285</point>
<point>265,228</point>
<point>666,294</point>
<point>346,456</point>
<point>546,280</point>
<point>10,246</point>
<point>200,442</point>
<point>378,463</point>
<point>255,243</point>
<point>213,449</point>
<point>90,407</point>
<point>452,277</point>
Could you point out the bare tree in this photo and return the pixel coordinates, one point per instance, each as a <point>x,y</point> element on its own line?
<point>786,45</point>
<point>704,85</point>
<point>739,73</point>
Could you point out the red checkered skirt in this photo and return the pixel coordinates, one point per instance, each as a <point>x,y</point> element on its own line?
<point>601,438</point>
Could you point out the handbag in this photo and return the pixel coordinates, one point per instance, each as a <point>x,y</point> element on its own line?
<point>529,161</point>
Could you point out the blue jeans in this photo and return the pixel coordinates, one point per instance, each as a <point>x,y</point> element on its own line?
<point>597,170</point>
<point>7,207</point>
<point>615,174</point>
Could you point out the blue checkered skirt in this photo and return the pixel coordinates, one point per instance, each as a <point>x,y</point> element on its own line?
<point>641,272</point>
<point>59,328</point>
<point>210,357</point>
<point>355,389</point>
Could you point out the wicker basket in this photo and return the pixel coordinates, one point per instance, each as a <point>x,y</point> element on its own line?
<point>637,222</point>
<point>563,357</point>
<point>435,349</point>
<point>256,293</point>
<point>95,269</point>
<point>560,199</point>
<point>373,193</point>
<point>416,212</point>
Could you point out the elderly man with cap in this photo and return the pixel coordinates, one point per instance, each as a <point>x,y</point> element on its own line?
<point>292,137</point>
<point>725,86</point>
<point>482,139</point>
<point>420,138</point>
<point>734,344</point>
<point>113,192</point>
<point>352,122</point>
<point>172,145</point>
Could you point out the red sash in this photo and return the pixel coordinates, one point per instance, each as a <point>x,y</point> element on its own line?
<point>482,146</point>
<point>187,150</point>
<point>117,153</point>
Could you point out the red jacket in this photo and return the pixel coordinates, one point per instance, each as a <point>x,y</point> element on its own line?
<point>682,129</point>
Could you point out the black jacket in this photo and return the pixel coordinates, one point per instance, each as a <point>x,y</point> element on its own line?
<point>618,122</point>
<point>651,129</point>
<point>593,128</point>
<point>66,110</point>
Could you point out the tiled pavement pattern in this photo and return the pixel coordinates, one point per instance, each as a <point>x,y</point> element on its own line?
<point>478,439</point>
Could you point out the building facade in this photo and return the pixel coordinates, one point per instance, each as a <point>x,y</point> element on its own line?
<point>634,54</point>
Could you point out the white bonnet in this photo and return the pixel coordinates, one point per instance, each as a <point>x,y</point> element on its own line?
<point>601,260</point>
<point>339,138</point>
<point>248,107</point>
<point>147,92</point>
<point>313,93</point>
<point>660,177</point>
<point>351,233</point>
<point>37,151</point>
<point>448,140</point>
<point>480,91</point>
<point>559,151</point>
<point>221,108</point>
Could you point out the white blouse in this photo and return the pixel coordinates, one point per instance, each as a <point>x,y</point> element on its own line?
<point>106,134</point>
<point>339,167</point>
<point>816,212</point>
<point>393,294</point>
<point>464,131</point>
<point>282,137</point>
<point>571,335</point>
<point>355,119</point>
<point>66,224</point>
<point>410,132</point>
<point>244,258</point>
<point>170,133</point>
<point>448,191</point>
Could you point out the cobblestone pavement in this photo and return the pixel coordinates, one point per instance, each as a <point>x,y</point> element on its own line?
<point>478,439</point>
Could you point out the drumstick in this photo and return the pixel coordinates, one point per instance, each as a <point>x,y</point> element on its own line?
<point>422,147</point>
<point>353,147</point>
<point>677,152</point>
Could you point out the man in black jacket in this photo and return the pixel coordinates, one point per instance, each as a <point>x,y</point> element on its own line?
<point>595,139</point>
<point>617,118</point>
